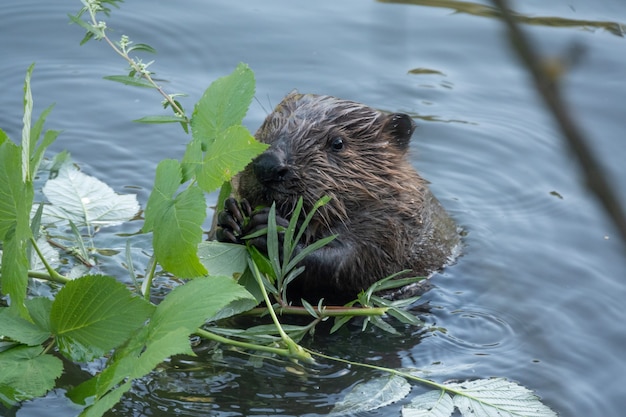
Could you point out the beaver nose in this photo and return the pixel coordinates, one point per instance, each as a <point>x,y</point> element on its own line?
<point>269,167</point>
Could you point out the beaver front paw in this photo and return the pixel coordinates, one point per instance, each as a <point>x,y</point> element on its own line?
<point>238,220</point>
<point>231,221</point>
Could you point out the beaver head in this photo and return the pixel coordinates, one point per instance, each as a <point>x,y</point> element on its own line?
<point>322,145</point>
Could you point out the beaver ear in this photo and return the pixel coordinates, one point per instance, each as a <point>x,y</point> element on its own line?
<point>399,127</point>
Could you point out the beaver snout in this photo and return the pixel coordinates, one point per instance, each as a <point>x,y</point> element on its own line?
<point>270,167</point>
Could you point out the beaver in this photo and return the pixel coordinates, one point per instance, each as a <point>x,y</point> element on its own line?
<point>386,218</point>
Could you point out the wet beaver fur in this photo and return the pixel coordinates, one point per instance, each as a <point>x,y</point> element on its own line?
<point>386,218</point>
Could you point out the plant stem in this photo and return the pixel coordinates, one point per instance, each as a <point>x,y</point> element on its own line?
<point>328,311</point>
<point>295,350</point>
<point>137,68</point>
<point>249,346</point>
<point>52,274</point>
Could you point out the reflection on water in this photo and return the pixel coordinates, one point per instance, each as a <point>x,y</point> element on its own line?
<point>537,295</point>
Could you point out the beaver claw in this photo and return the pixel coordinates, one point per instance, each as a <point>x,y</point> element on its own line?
<point>232,225</point>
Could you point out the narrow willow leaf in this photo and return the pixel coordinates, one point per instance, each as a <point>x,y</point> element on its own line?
<point>272,244</point>
<point>134,81</point>
<point>85,200</point>
<point>98,33</point>
<point>497,397</point>
<point>431,404</point>
<point>16,328</point>
<point>223,104</point>
<point>224,259</point>
<point>142,47</point>
<point>368,396</point>
<point>230,153</point>
<point>27,373</point>
<point>94,314</point>
<point>28,110</point>
<point>160,119</point>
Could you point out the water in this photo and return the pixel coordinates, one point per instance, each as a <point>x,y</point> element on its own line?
<point>537,296</point>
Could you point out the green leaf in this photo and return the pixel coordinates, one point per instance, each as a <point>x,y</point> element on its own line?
<point>39,309</point>
<point>176,222</point>
<point>128,80</point>
<point>160,119</point>
<point>85,200</point>
<point>141,47</point>
<point>26,373</point>
<point>224,259</point>
<point>98,33</point>
<point>181,312</point>
<point>16,199</point>
<point>226,156</point>
<point>16,328</point>
<point>368,396</point>
<point>223,104</point>
<point>95,314</point>
<point>192,160</point>
<point>431,404</point>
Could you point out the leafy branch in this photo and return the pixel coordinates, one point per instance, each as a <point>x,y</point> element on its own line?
<point>139,75</point>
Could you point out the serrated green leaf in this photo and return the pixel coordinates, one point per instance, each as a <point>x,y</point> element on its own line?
<point>431,404</point>
<point>176,222</point>
<point>26,373</point>
<point>227,155</point>
<point>39,309</point>
<point>127,80</point>
<point>17,328</point>
<point>192,160</point>
<point>497,397</point>
<point>85,200</point>
<point>371,395</point>
<point>223,104</point>
<point>224,259</point>
<point>94,314</point>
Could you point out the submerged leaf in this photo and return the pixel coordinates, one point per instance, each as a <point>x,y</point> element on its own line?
<point>431,404</point>
<point>373,394</point>
<point>497,397</point>
<point>85,200</point>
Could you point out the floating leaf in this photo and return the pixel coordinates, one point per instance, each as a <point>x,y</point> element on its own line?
<point>373,394</point>
<point>85,200</point>
<point>226,156</point>
<point>497,397</point>
<point>176,221</point>
<point>94,314</point>
<point>26,373</point>
<point>431,404</point>
<point>223,104</point>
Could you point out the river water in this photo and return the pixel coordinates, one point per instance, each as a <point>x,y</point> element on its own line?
<point>538,295</point>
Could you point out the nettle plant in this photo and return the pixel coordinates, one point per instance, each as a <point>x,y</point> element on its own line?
<point>87,317</point>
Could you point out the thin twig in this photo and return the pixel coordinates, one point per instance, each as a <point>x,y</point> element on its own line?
<point>548,89</point>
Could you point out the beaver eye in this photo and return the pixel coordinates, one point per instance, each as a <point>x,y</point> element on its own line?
<point>336,144</point>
